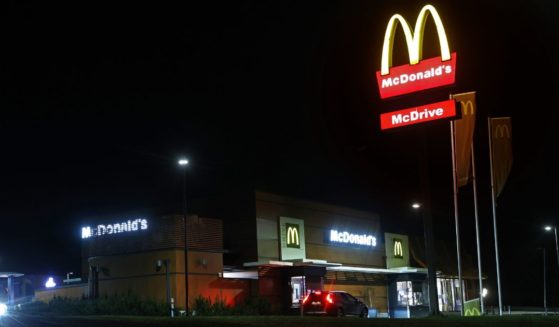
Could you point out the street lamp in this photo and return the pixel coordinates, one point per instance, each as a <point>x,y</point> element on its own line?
<point>425,214</point>
<point>183,162</point>
<point>549,228</point>
<point>50,283</point>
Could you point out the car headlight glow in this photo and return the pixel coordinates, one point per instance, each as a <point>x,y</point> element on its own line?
<point>3,309</point>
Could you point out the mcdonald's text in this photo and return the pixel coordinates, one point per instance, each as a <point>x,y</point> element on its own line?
<point>427,74</point>
<point>416,115</point>
<point>355,239</point>
<point>127,226</point>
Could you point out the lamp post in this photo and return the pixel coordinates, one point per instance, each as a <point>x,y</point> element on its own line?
<point>158,266</point>
<point>544,283</point>
<point>67,277</point>
<point>183,162</point>
<point>549,228</point>
<point>429,247</point>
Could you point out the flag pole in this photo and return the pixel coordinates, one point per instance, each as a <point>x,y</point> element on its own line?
<point>455,191</point>
<point>494,216</point>
<point>474,185</point>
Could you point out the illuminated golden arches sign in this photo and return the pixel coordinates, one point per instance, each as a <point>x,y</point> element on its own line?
<point>292,235</point>
<point>420,74</point>
<point>414,40</point>
<point>472,312</point>
<point>398,249</point>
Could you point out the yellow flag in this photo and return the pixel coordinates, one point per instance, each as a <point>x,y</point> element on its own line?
<point>464,134</point>
<point>501,140</point>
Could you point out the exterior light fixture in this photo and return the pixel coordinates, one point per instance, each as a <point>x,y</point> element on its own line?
<point>484,292</point>
<point>50,283</point>
<point>548,228</point>
<point>3,309</point>
<point>416,205</point>
<point>183,162</point>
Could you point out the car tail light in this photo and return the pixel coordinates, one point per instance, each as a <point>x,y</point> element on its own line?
<point>305,299</point>
<point>329,298</point>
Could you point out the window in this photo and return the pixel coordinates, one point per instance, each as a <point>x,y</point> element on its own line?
<point>404,293</point>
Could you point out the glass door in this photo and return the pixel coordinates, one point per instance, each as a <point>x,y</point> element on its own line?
<point>297,290</point>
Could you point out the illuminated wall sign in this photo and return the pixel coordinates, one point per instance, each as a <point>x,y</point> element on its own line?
<point>416,115</point>
<point>292,238</point>
<point>345,237</point>
<point>128,226</point>
<point>419,74</point>
<point>397,250</point>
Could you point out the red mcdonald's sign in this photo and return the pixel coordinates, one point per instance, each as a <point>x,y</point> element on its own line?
<point>419,74</point>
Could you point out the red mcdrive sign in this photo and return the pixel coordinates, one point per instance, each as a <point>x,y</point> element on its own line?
<point>427,74</point>
<point>416,115</point>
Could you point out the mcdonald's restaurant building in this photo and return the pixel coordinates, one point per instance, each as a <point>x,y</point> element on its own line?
<point>289,247</point>
<point>262,244</point>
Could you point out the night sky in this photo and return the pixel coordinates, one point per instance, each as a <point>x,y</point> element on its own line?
<point>99,100</point>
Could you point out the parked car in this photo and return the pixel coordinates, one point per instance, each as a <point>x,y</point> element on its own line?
<point>334,303</point>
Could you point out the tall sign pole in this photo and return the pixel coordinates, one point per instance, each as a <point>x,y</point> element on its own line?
<point>494,216</point>
<point>456,220</point>
<point>428,228</point>
<point>474,185</point>
<point>421,74</point>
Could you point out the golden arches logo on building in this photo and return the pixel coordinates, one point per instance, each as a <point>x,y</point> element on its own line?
<point>472,312</point>
<point>414,39</point>
<point>502,131</point>
<point>292,236</point>
<point>398,249</point>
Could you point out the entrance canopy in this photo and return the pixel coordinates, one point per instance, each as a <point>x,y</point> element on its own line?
<point>335,267</point>
<point>10,274</point>
<point>400,270</point>
<point>291,263</point>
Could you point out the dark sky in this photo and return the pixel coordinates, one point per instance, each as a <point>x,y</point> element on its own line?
<point>99,100</point>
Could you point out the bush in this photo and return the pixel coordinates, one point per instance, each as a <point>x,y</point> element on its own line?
<point>202,306</point>
<point>258,305</point>
<point>251,306</point>
<point>125,304</point>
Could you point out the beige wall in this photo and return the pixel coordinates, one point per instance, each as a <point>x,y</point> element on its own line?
<point>136,272</point>
<point>70,291</point>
